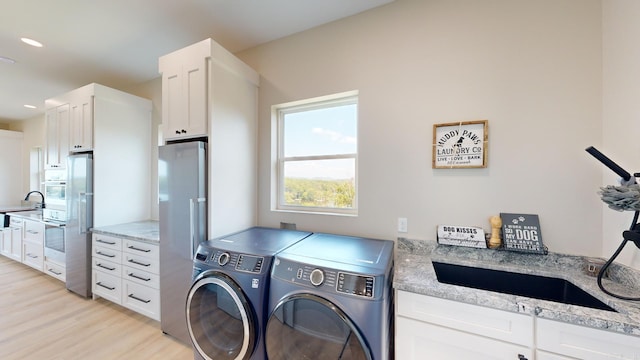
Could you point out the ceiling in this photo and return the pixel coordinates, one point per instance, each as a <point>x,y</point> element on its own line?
<point>117,42</point>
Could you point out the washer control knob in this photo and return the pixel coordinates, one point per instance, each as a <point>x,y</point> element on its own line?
<point>223,259</point>
<point>316,277</point>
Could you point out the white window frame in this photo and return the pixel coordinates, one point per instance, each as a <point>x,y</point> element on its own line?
<point>278,113</point>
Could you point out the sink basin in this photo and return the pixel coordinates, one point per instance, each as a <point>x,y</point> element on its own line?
<point>533,286</point>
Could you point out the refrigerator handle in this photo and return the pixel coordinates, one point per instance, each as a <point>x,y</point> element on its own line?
<point>82,228</point>
<point>194,223</point>
<point>192,232</point>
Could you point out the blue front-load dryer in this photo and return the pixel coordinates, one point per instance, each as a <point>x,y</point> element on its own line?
<point>331,298</point>
<point>227,302</point>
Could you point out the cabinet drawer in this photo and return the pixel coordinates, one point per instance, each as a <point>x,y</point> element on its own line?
<point>142,299</point>
<point>55,270</point>
<point>107,286</point>
<point>141,277</point>
<point>141,248</point>
<point>33,255</point>
<point>497,324</point>
<point>141,263</point>
<point>585,343</point>
<point>34,231</point>
<point>107,242</point>
<point>106,266</point>
<point>114,256</point>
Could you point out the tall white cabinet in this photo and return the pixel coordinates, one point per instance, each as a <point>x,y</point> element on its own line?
<point>208,92</point>
<point>116,126</point>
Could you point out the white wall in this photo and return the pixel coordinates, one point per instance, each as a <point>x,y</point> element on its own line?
<point>621,111</point>
<point>11,167</point>
<point>532,68</point>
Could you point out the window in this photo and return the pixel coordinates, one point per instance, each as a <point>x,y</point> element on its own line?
<point>317,157</point>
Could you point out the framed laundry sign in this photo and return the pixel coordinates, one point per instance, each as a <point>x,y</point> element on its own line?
<point>460,144</point>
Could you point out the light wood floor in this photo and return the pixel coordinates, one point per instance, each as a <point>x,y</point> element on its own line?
<point>40,319</point>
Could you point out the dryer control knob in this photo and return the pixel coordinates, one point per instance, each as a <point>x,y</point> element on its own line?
<point>316,277</point>
<point>223,259</point>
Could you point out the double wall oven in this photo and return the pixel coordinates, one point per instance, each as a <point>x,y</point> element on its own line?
<point>55,215</point>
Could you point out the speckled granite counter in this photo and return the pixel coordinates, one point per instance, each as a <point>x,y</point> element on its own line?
<point>414,273</point>
<point>140,230</point>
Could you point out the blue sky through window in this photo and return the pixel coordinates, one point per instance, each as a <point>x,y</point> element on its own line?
<point>326,131</point>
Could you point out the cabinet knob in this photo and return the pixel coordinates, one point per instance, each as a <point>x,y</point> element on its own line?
<point>177,131</point>
<point>184,131</point>
<point>522,357</point>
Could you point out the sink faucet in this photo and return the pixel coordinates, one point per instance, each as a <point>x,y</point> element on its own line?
<point>41,195</point>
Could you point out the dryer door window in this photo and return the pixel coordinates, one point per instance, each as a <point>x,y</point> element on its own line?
<point>306,326</point>
<point>219,318</point>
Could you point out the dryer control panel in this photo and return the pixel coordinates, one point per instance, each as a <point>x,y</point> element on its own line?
<point>326,279</point>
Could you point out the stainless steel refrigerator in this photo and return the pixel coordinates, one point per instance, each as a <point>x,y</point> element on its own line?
<point>182,183</point>
<point>79,223</point>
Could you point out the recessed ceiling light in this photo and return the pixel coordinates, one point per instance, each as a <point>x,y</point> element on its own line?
<point>7,60</point>
<point>29,106</point>
<point>31,42</point>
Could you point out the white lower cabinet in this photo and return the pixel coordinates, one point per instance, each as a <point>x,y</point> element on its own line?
<point>555,340</point>
<point>5,241</point>
<point>433,328</point>
<point>126,272</point>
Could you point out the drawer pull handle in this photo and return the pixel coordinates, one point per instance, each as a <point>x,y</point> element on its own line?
<point>138,249</point>
<point>105,267</point>
<point>106,242</point>
<point>139,299</point>
<point>103,254</point>
<point>139,277</point>
<point>105,286</point>
<point>137,262</point>
<point>54,272</point>
<point>32,256</point>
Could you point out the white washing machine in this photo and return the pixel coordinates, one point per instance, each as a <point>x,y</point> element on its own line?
<point>331,298</point>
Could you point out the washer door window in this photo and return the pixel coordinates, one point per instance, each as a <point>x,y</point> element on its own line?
<point>306,326</point>
<point>220,320</point>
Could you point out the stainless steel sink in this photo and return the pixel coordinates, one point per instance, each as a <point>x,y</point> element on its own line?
<point>533,286</point>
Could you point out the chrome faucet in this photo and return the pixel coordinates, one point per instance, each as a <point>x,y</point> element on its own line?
<point>41,195</point>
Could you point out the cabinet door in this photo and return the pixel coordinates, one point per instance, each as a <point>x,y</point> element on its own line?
<point>585,343</point>
<point>57,137</point>
<point>420,340</point>
<point>185,98</point>
<point>82,124</point>
<point>16,243</point>
<point>5,241</point>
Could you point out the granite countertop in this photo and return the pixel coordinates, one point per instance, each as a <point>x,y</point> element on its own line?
<point>14,208</point>
<point>414,273</point>
<point>30,215</point>
<point>140,230</point>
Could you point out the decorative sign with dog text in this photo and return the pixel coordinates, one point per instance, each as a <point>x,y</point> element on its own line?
<point>460,145</point>
<point>521,232</point>
<point>469,236</point>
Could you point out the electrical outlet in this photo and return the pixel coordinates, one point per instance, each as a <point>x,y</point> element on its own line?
<point>402,225</point>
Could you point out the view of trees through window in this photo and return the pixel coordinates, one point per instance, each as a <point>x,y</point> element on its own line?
<point>317,154</point>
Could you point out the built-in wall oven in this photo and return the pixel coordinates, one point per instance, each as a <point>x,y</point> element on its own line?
<point>55,188</point>
<point>54,234</point>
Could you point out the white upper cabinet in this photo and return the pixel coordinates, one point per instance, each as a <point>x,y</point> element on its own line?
<point>184,92</point>
<point>81,128</point>
<point>57,137</point>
